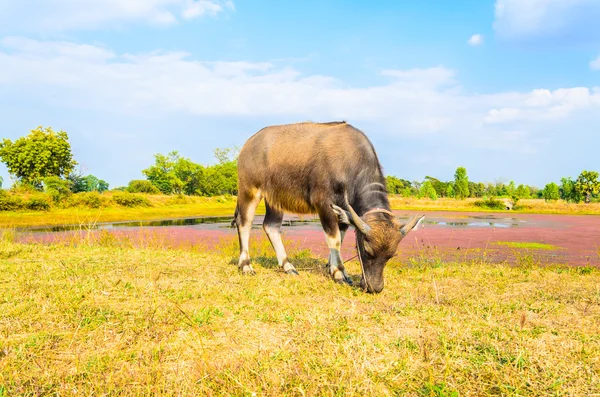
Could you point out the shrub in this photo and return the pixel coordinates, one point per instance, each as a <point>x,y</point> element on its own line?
<point>37,204</point>
<point>9,202</point>
<point>87,199</point>
<point>551,192</point>
<point>491,203</point>
<point>142,186</point>
<point>127,199</point>
<point>57,188</point>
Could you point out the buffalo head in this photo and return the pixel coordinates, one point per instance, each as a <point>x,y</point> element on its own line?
<point>378,233</point>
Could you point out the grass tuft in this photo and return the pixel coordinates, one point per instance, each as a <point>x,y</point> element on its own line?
<point>527,245</point>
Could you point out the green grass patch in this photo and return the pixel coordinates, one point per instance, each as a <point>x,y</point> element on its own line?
<point>528,245</point>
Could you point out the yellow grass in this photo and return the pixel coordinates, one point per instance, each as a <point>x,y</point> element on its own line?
<point>531,206</point>
<point>108,319</point>
<point>180,207</point>
<point>162,207</point>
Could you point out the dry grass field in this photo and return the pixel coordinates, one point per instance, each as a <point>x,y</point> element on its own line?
<point>107,318</point>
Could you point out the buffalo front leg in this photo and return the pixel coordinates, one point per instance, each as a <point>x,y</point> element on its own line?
<point>272,226</point>
<point>334,236</point>
<point>247,203</point>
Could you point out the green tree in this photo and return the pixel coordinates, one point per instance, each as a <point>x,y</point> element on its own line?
<point>142,186</point>
<point>57,188</point>
<point>88,183</point>
<point>568,192</point>
<point>40,154</point>
<point>490,190</point>
<point>476,189</point>
<point>407,192</point>
<point>226,155</point>
<point>220,179</point>
<point>1,182</point>
<point>162,173</point>
<point>587,185</point>
<point>461,183</point>
<point>511,189</point>
<point>523,192</point>
<point>450,191</point>
<point>439,186</point>
<point>393,184</point>
<point>176,174</point>
<point>102,185</point>
<point>551,192</point>
<point>427,190</point>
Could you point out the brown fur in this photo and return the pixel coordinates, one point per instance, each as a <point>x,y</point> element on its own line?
<point>311,167</point>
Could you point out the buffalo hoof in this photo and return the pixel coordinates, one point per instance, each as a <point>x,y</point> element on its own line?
<point>247,270</point>
<point>339,277</point>
<point>288,268</point>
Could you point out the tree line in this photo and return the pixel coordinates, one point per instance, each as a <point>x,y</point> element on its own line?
<point>585,188</point>
<point>43,161</point>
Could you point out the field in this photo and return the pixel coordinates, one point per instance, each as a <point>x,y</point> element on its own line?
<point>108,319</point>
<point>110,313</point>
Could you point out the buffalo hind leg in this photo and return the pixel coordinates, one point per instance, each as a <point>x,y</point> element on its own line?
<point>246,206</point>
<point>334,237</point>
<point>272,226</point>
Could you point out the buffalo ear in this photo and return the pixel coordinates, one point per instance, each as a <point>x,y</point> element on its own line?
<point>343,215</point>
<point>351,218</point>
<point>368,248</point>
<point>411,224</point>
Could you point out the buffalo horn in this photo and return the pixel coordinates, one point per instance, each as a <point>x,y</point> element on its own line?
<point>414,221</point>
<point>351,218</point>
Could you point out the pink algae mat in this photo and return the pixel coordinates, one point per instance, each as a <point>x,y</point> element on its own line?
<point>443,236</point>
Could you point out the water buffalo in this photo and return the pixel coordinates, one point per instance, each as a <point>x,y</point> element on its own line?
<point>329,169</point>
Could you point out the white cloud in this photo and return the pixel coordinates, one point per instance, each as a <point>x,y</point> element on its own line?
<point>423,102</point>
<point>595,64</point>
<point>573,19</point>
<point>476,40</point>
<point>545,105</point>
<point>62,15</point>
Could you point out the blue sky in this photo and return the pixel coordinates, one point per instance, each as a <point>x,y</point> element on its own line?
<point>506,88</point>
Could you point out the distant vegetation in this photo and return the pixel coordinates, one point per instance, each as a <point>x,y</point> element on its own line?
<point>44,175</point>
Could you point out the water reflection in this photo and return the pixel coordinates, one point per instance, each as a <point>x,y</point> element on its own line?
<point>220,222</point>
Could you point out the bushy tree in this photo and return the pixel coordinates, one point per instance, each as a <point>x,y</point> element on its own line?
<point>523,192</point>
<point>77,183</point>
<point>568,192</point>
<point>439,186</point>
<point>587,185</point>
<point>476,189</point>
<point>142,186</point>
<point>461,183</point>
<point>179,175</point>
<point>450,191</point>
<point>396,185</point>
<point>407,192</point>
<point>56,187</point>
<point>92,184</point>
<point>88,183</point>
<point>163,175</point>
<point>511,189</point>
<point>42,153</point>
<point>427,190</point>
<point>551,192</point>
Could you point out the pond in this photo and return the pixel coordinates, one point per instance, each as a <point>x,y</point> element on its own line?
<point>291,221</point>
